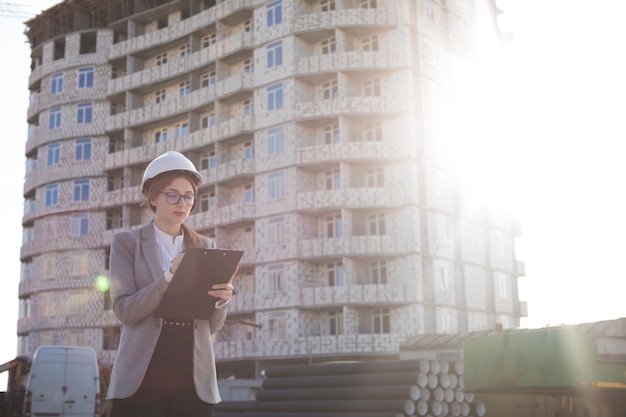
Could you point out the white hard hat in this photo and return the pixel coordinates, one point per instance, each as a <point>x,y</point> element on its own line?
<point>169,161</point>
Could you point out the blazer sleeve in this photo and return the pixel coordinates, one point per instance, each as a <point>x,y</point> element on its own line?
<point>131,303</point>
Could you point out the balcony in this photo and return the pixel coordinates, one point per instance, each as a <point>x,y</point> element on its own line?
<point>346,19</point>
<point>347,61</point>
<point>180,29</point>
<point>351,106</point>
<point>355,246</point>
<point>355,198</point>
<point>307,346</point>
<point>354,151</point>
<point>223,216</point>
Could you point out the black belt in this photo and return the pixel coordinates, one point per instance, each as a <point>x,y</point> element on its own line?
<point>177,322</point>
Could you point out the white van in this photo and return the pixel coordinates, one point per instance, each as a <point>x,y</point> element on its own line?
<point>64,382</point>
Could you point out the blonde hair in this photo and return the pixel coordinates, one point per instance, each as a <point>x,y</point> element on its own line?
<point>154,186</point>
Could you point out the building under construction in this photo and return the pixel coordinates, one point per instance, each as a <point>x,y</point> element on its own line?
<point>323,131</point>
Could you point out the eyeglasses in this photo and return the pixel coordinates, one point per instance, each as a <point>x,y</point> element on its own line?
<point>174,198</point>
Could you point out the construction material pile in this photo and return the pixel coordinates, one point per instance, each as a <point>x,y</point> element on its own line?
<point>400,388</point>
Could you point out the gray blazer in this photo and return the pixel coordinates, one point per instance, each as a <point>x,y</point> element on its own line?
<point>137,286</point>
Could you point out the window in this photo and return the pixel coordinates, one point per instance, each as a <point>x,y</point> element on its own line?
<point>276,278</point>
<point>247,66</point>
<point>55,118</point>
<point>49,265</point>
<point>335,274</point>
<point>502,285</point>
<point>376,224</point>
<point>85,77</point>
<point>374,132</point>
<point>380,321</point>
<point>329,46</point>
<point>81,190</point>
<point>375,177</point>
<point>208,40</point>
<point>430,12</point>
<point>54,154</point>
<point>247,107</point>
<point>160,136</point>
<point>159,96</point>
<point>331,134</point>
<point>78,263</point>
<point>370,43</point>
<point>275,185</point>
<point>499,244</point>
<point>184,50</point>
<point>277,326</point>
<point>275,141</point>
<point>56,83</point>
<point>275,97</point>
<point>274,54</point>
<point>333,226</point>
<point>79,224</point>
<point>203,203</point>
<point>443,280</point>
<point>371,88</point>
<point>335,322</point>
<point>83,149</point>
<point>208,79</point>
<point>181,130</point>
<point>76,303</point>
<point>276,231</point>
<point>208,120</point>
<point>327,5</point>
<point>183,88</point>
<point>368,4</point>
<point>332,179</point>
<point>248,150</point>
<point>75,337</point>
<point>84,113</point>
<point>161,59</point>
<point>110,335</point>
<point>378,272</point>
<point>52,195</point>
<point>330,90</point>
<point>46,305</point>
<point>249,193</point>
<point>274,13</point>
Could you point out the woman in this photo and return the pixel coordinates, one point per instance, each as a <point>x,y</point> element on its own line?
<point>164,367</point>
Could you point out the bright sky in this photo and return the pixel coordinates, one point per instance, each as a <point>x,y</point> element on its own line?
<point>563,93</point>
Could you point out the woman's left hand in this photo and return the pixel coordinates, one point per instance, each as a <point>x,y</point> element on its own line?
<point>224,291</point>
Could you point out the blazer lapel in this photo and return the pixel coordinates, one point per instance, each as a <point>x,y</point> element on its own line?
<point>151,251</point>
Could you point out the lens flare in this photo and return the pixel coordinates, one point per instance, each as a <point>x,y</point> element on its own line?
<point>101,283</point>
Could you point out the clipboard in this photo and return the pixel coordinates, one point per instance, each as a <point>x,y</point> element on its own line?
<point>201,268</point>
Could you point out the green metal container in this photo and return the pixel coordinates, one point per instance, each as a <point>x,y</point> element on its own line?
<point>555,359</point>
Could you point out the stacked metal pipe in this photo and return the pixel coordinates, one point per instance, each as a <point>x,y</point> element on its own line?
<point>400,388</point>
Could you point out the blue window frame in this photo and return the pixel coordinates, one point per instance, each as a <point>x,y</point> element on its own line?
<point>275,141</point>
<point>274,13</point>
<point>52,195</point>
<point>54,154</point>
<point>84,112</point>
<point>85,77</point>
<point>56,83</point>
<point>275,97</point>
<point>275,185</point>
<point>83,149</point>
<point>81,190</point>
<point>79,224</point>
<point>274,54</point>
<point>55,118</point>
